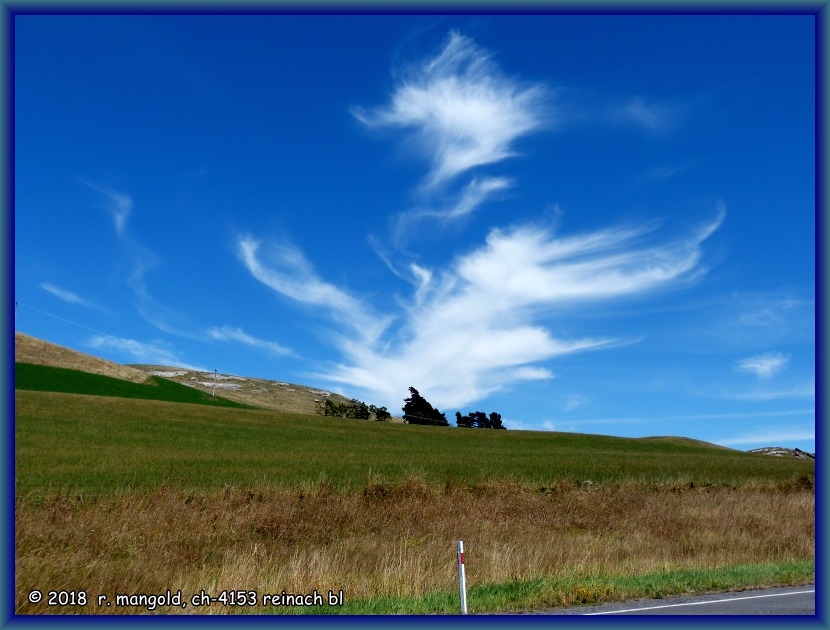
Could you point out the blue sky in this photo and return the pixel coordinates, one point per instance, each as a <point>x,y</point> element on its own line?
<point>601,224</point>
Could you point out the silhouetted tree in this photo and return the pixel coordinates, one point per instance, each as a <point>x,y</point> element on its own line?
<point>381,413</point>
<point>495,421</point>
<point>417,410</point>
<point>479,420</point>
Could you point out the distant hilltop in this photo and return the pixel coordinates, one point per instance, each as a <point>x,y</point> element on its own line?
<point>779,451</point>
<point>263,393</point>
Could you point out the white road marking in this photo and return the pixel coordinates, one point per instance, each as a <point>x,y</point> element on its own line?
<point>714,601</point>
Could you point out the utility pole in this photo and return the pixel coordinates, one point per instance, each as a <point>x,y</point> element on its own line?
<point>214,383</point>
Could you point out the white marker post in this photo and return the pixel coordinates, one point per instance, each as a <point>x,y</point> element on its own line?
<point>462,582</point>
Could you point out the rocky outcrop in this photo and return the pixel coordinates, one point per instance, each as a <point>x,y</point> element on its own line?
<point>779,451</point>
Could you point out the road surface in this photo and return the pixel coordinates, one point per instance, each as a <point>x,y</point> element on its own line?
<point>791,600</point>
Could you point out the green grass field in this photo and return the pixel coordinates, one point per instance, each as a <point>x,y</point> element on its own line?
<point>103,444</point>
<point>44,378</point>
<point>134,495</point>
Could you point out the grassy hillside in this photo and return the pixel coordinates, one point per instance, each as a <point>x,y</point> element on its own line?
<point>99,445</point>
<point>28,349</point>
<point>117,495</point>
<point>120,488</point>
<point>140,496</point>
<point>256,392</point>
<point>55,379</point>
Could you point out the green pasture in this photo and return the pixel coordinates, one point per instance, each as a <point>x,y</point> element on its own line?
<point>99,445</point>
<point>54,379</point>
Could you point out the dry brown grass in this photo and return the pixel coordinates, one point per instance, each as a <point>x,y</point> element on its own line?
<point>395,540</point>
<point>39,352</point>
<point>258,392</point>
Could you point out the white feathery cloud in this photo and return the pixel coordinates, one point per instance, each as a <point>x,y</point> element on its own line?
<point>480,324</point>
<point>478,327</point>
<point>474,194</point>
<point>423,279</point>
<point>289,273</point>
<point>763,365</point>
<point>228,333</point>
<point>465,113</point>
<point>463,204</point>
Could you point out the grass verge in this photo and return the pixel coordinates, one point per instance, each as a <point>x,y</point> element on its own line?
<point>543,594</point>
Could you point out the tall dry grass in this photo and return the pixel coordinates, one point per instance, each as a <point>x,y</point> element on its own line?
<point>394,540</point>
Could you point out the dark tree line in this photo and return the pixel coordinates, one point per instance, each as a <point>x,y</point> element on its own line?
<point>417,410</point>
<point>355,409</point>
<point>479,420</point>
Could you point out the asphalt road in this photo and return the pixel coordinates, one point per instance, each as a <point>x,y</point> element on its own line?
<point>795,600</point>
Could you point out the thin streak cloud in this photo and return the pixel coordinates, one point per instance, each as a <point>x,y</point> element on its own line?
<point>149,353</point>
<point>67,296</point>
<point>770,437</point>
<point>763,365</point>
<point>229,333</point>
<point>118,204</point>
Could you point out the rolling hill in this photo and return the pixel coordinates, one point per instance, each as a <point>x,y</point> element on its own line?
<point>36,351</point>
<point>278,396</point>
<point>256,392</point>
<point>138,494</point>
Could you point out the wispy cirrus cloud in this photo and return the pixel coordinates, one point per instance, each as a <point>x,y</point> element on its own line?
<point>171,321</point>
<point>118,204</point>
<point>229,333</point>
<point>142,260</point>
<point>775,317</point>
<point>465,113</point>
<point>482,322</point>
<point>803,390</point>
<point>67,296</point>
<point>744,416</point>
<point>651,115</point>
<point>286,270</point>
<point>574,401</point>
<point>763,365</point>
<point>479,324</point>
<point>770,437</point>
<point>460,205</point>
<point>151,353</point>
